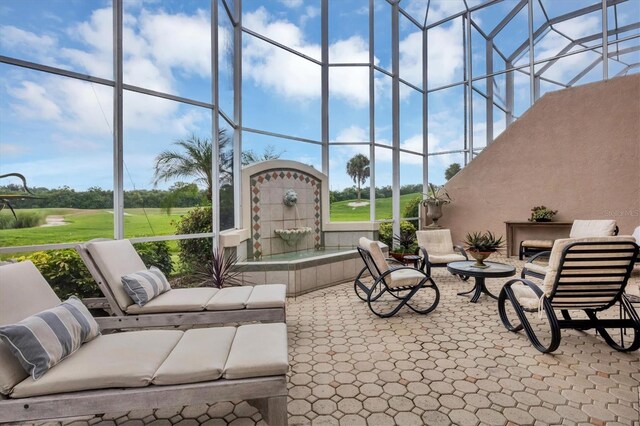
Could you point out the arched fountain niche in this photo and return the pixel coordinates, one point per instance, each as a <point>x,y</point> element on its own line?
<point>284,209</point>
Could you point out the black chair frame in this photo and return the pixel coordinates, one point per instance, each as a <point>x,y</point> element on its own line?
<point>615,295</point>
<point>380,287</point>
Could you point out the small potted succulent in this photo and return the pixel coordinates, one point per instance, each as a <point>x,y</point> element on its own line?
<point>542,214</point>
<point>435,198</point>
<point>405,244</point>
<point>480,246</point>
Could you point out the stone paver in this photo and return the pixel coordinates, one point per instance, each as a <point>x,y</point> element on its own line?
<point>458,365</point>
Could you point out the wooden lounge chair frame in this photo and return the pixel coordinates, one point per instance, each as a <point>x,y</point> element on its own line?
<point>626,251</point>
<point>119,319</point>
<point>380,287</point>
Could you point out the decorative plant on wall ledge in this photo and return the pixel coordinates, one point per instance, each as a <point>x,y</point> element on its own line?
<point>221,271</point>
<point>435,198</point>
<point>542,214</point>
<point>480,246</point>
<point>6,199</point>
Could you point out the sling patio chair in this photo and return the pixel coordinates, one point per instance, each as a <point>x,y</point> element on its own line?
<point>109,260</point>
<point>585,274</point>
<point>78,371</point>
<point>437,249</point>
<point>579,229</point>
<point>402,284</point>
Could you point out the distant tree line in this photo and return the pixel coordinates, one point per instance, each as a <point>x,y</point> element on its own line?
<point>351,193</point>
<point>179,195</point>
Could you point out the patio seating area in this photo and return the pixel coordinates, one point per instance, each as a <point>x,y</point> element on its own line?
<point>456,366</point>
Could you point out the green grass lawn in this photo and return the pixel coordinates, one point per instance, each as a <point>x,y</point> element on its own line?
<point>342,212</point>
<point>84,225</point>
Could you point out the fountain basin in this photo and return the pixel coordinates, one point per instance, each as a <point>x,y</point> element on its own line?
<point>291,236</point>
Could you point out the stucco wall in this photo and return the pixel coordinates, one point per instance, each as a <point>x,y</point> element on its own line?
<point>576,151</point>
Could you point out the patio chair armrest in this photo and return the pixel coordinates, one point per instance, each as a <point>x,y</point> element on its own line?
<point>421,251</point>
<point>526,282</point>
<point>537,255</point>
<point>460,250</point>
<point>392,260</point>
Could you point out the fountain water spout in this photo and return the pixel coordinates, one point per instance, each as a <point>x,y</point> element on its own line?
<point>291,236</point>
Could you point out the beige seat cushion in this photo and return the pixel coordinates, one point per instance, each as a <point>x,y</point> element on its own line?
<point>176,300</point>
<point>109,361</point>
<point>592,228</point>
<point>23,292</point>
<point>115,259</point>
<point>437,241</point>
<point>404,277</point>
<point>199,356</point>
<point>536,267</point>
<point>538,243</point>
<point>376,254</point>
<point>267,296</point>
<point>229,298</point>
<point>526,296</point>
<point>258,350</point>
<point>445,258</point>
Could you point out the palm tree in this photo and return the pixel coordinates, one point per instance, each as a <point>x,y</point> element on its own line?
<point>358,169</point>
<point>194,159</point>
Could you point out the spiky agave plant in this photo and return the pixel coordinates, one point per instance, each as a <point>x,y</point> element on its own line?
<point>222,271</point>
<point>406,240</point>
<point>487,242</point>
<point>5,199</point>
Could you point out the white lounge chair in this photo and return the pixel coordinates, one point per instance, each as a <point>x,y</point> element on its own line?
<point>109,260</point>
<point>139,369</point>
<point>579,229</point>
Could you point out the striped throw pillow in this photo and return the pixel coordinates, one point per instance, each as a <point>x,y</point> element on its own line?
<point>46,338</point>
<point>145,285</point>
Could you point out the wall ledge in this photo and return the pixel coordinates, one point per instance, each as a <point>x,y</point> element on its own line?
<point>233,237</point>
<point>350,226</point>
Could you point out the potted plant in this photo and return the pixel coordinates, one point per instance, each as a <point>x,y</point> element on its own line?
<point>221,271</point>
<point>480,246</point>
<point>405,244</point>
<point>542,214</point>
<point>435,198</point>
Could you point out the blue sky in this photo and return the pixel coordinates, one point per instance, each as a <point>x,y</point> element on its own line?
<point>57,130</point>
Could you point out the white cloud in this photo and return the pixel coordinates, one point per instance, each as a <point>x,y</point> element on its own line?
<point>292,3</point>
<point>12,149</point>
<point>445,55</point>
<point>35,101</point>
<point>27,42</point>
<point>352,134</point>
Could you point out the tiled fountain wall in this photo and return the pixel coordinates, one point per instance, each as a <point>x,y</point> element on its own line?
<point>268,211</point>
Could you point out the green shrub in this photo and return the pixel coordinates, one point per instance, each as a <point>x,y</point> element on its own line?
<point>22,220</point>
<point>65,272</point>
<point>196,251</point>
<point>156,253</point>
<point>412,208</point>
<point>385,232</point>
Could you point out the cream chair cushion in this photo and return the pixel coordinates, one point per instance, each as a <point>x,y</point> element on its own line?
<point>176,300</point>
<point>199,356</point>
<point>538,243</point>
<point>258,350</point>
<point>556,256</point>
<point>445,258</point>
<point>437,241</point>
<point>23,292</point>
<point>267,296</point>
<point>114,259</point>
<point>404,277</point>
<point>525,295</point>
<point>592,228</point>
<point>636,234</point>
<point>229,298</point>
<point>536,267</point>
<point>109,361</point>
<point>376,253</point>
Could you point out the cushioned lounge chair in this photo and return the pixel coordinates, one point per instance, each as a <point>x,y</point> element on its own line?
<point>402,283</point>
<point>585,274</point>
<point>437,249</point>
<point>139,369</point>
<point>109,260</point>
<point>579,229</point>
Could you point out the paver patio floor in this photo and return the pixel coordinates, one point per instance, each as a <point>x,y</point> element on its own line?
<point>457,365</point>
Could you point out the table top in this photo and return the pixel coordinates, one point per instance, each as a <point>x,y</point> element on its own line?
<point>495,269</point>
<point>526,222</point>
